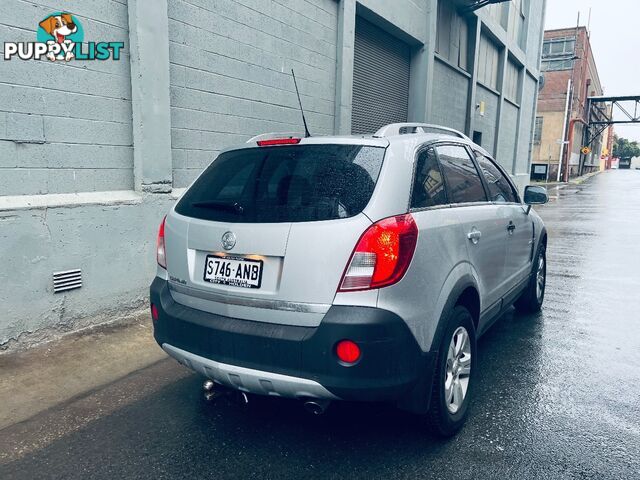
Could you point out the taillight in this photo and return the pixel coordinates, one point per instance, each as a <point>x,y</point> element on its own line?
<point>161,253</point>
<point>382,255</point>
<point>278,141</point>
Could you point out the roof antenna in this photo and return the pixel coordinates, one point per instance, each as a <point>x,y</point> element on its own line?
<point>304,120</point>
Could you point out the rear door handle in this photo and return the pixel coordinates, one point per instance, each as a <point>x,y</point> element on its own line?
<point>474,235</point>
<point>511,227</point>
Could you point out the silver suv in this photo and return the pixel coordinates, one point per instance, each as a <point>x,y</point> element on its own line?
<point>347,268</point>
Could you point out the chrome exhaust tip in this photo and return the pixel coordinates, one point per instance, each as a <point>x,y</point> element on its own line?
<point>209,391</point>
<point>316,406</point>
<point>242,398</point>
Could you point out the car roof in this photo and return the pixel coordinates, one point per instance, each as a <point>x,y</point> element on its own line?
<point>386,136</point>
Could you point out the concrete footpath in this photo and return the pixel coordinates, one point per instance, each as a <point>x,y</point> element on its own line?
<point>34,380</point>
<point>572,181</point>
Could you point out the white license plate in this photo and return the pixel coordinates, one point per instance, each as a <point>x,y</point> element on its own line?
<point>233,271</point>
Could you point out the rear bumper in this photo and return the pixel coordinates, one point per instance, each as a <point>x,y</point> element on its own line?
<point>293,361</point>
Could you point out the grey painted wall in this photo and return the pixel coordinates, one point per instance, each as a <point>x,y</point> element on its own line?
<point>91,151</point>
<point>508,135</point>
<point>523,158</point>
<point>112,241</point>
<point>65,127</point>
<point>449,99</point>
<point>487,123</point>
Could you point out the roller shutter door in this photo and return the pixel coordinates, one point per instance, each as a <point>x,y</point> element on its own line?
<point>380,78</point>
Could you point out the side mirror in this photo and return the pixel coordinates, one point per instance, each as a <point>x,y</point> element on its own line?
<point>535,195</point>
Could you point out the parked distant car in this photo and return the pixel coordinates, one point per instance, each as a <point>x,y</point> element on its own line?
<point>624,163</point>
<point>348,268</point>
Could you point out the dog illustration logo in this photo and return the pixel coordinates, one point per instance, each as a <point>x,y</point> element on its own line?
<point>63,29</point>
<point>60,36</point>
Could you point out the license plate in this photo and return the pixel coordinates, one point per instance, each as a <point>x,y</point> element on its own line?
<point>233,271</point>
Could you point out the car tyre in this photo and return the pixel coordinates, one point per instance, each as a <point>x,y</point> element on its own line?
<point>454,373</point>
<point>532,298</point>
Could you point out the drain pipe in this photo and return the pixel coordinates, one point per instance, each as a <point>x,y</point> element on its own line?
<point>564,130</point>
<point>572,124</point>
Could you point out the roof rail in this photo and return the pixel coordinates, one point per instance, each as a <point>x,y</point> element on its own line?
<point>269,136</point>
<point>406,128</point>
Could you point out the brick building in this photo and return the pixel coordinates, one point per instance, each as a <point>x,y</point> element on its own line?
<point>569,77</point>
<point>93,153</point>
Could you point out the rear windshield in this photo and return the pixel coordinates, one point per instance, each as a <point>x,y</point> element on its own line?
<point>285,184</point>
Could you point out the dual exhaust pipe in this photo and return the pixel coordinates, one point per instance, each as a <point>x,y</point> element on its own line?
<point>315,406</point>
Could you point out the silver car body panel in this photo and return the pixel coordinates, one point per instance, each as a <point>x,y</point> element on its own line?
<point>440,259</point>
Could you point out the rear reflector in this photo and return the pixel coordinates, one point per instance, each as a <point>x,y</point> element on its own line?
<point>278,141</point>
<point>382,255</point>
<point>348,351</point>
<point>154,313</point>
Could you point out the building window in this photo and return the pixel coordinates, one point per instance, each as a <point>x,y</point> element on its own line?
<point>559,47</point>
<point>537,132</point>
<point>511,81</point>
<point>549,65</point>
<point>452,36</point>
<point>488,63</point>
<point>558,53</point>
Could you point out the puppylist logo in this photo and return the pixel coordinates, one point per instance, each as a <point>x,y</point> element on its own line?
<point>60,36</point>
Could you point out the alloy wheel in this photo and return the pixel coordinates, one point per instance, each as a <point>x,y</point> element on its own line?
<point>540,278</point>
<point>458,371</point>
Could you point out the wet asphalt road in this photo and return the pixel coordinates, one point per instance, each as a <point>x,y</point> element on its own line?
<point>558,393</point>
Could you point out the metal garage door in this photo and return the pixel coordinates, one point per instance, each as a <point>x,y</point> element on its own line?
<point>380,78</point>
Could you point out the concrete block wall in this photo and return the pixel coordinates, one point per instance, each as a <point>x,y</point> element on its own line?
<point>487,123</point>
<point>230,74</point>
<point>450,94</point>
<point>508,135</point>
<point>65,127</point>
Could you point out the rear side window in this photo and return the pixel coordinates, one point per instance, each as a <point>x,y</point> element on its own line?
<point>285,184</point>
<point>463,181</point>
<point>500,190</point>
<point>428,185</point>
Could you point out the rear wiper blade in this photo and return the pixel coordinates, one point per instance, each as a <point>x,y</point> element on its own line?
<point>227,207</point>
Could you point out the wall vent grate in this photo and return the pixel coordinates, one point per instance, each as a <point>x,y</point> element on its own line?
<point>67,280</point>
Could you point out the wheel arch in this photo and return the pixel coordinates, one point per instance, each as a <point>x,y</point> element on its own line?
<point>465,292</point>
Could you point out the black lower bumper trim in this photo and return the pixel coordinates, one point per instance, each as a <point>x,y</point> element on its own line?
<point>391,364</point>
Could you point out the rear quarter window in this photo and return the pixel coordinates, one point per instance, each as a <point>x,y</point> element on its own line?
<point>301,183</point>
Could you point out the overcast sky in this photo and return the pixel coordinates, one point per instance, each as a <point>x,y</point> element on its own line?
<point>615,38</point>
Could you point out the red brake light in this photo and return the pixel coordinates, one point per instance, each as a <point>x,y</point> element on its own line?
<point>382,255</point>
<point>348,351</point>
<point>278,141</point>
<point>161,254</point>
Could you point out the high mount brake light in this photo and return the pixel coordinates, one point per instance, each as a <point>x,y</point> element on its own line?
<point>382,255</point>
<point>278,141</point>
<point>161,254</point>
